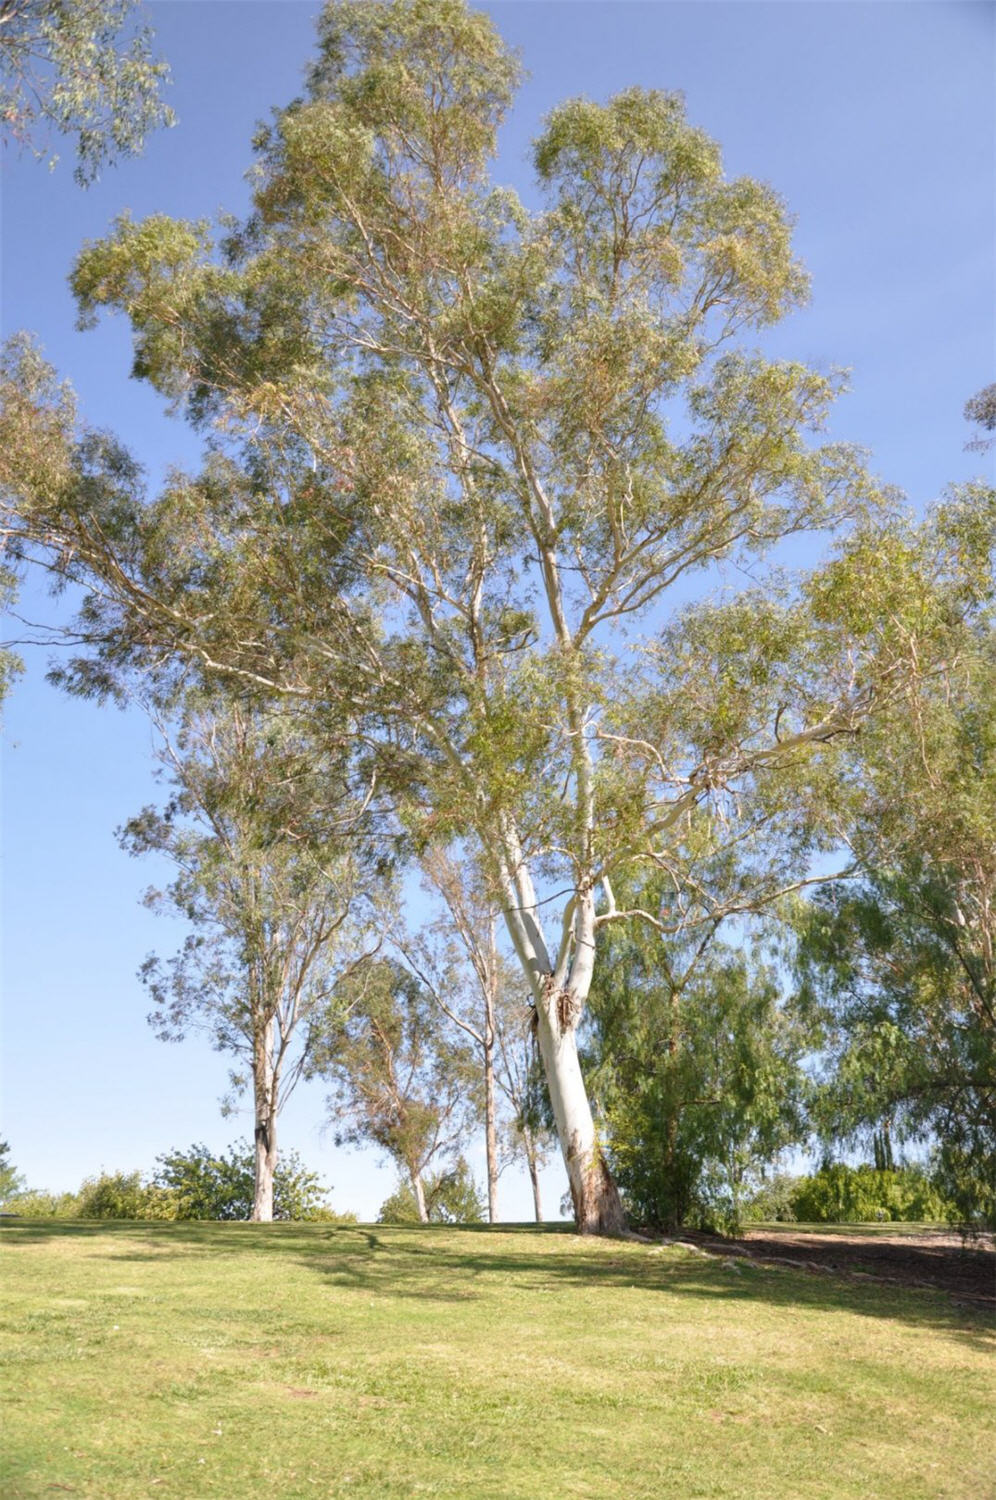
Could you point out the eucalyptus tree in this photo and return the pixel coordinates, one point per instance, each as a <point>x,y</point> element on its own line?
<point>396,1080</point>
<point>81,70</point>
<point>466,460</point>
<point>276,914</point>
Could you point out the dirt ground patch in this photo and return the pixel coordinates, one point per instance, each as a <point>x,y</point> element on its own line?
<point>929,1258</point>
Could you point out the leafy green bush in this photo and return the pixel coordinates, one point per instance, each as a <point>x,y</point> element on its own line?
<point>696,1066</point>
<point>34,1203</point>
<point>207,1186</point>
<point>190,1184</point>
<point>112,1195</point>
<point>325,1215</point>
<point>839,1194</point>
<point>964,1171</point>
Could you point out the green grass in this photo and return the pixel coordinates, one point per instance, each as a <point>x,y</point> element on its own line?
<point>244,1361</point>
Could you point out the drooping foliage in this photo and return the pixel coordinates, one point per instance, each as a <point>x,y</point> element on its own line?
<point>901,969</point>
<point>79,68</point>
<point>396,1081</point>
<point>697,1072</point>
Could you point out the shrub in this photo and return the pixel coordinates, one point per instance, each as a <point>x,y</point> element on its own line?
<point>205,1186</point>
<point>839,1194</point>
<point>190,1184</point>
<point>37,1204</point>
<point>112,1195</point>
<point>324,1215</point>
<point>774,1201</point>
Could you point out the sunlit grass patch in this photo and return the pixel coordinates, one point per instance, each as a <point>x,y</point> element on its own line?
<point>190,1360</point>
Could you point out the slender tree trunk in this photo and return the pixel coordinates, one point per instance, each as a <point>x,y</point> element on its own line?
<point>533,1166</point>
<point>490,1129</point>
<point>673,1041</point>
<point>265,1127</point>
<point>419,1191</point>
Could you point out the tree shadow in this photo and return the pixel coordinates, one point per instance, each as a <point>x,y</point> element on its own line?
<point>424,1266</point>
<point>446,1265</point>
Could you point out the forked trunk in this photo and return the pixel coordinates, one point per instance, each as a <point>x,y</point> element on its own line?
<point>560,992</point>
<point>597,1205</point>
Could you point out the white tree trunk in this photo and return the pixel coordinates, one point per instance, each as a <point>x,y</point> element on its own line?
<point>265,1126</point>
<point>419,1192</point>
<point>266,1161</point>
<point>560,993</point>
<point>597,1207</point>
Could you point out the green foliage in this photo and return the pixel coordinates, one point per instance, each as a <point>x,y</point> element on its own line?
<point>11,1181</point>
<point>697,1072</point>
<point>191,1184</point>
<point>268,899</point>
<point>398,1081</point>
<point>400,1207</point>
<point>109,1195</point>
<point>112,1195</point>
<point>773,1201</point>
<point>451,1197</point>
<point>79,69</point>
<point>204,1186</point>
<point>898,972</point>
<point>981,411</point>
<point>454,444</point>
<point>839,1194</point>
<point>36,1203</point>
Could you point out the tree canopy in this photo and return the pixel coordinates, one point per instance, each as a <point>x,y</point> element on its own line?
<point>276,916</point>
<point>464,460</point>
<point>79,69</point>
<point>901,965</point>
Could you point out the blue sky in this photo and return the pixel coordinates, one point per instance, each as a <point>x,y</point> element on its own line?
<point>876,124</point>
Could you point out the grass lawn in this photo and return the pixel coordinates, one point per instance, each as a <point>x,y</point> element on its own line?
<point>244,1361</point>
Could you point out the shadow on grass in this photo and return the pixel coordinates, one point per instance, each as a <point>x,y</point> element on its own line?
<point>422,1262</point>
